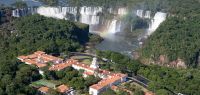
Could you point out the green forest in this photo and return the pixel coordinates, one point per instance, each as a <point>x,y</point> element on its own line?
<point>163,80</point>
<point>30,34</point>
<point>178,36</point>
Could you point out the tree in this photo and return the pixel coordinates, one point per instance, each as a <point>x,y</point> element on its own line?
<point>133,66</point>
<point>138,92</point>
<point>109,92</point>
<point>11,89</point>
<point>6,80</point>
<point>121,92</point>
<point>60,74</point>
<point>50,75</point>
<point>1,91</point>
<point>53,92</point>
<point>162,92</point>
<point>90,80</point>
<point>27,74</point>
<point>77,83</point>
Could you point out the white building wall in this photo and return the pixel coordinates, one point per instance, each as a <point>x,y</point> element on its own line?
<point>93,91</point>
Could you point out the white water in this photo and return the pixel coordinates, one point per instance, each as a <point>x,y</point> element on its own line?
<point>156,21</point>
<point>108,28</point>
<point>89,15</point>
<point>51,12</point>
<point>122,11</point>
<point>23,12</point>
<point>56,12</point>
<point>139,13</point>
<point>143,14</point>
<point>147,14</point>
<point>113,26</point>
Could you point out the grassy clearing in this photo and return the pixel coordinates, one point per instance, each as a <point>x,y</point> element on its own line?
<point>132,86</point>
<point>81,57</point>
<point>87,61</point>
<point>47,83</point>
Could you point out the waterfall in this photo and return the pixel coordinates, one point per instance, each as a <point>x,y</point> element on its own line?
<point>56,12</point>
<point>15,13</point>
<point>71,10</point>
<point>52,12</point>
<point>156,21</point>
<point>95,20</point>
<point>114,27</point>
<point>122,11</point>
<point>143,14</point>
<point>139,13</point>
<point>89,15</point>
<point>22,12</point>
<point>147,14</point>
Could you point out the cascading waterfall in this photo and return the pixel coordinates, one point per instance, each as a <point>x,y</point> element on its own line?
<point>105,22</point>
<point>15,13</point>
<point>143,14</point>
<point>153,24</point>
<point>156,21</point>
<point>52,12</point>
<point>139,13</point>
<point>112,28</point>
<point>122,11</point>
<point>89,15</point>
<point>115,26</point>
<point>147,14</point>
<point>23,12</point>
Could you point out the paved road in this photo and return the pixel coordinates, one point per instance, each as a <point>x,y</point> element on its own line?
<point>140,80</point>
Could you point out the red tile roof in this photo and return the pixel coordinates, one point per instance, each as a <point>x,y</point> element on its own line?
<point>106,82</point>
<point>44,89</point>
<point>22,57</point>
<point>59,66</point>
<point>87,67</point>
<point>50,58</point>
<point>149,93</point>
<point>40,65</point>
<point>34,58</point>
<point>105,72</point>
<point>88,73</point>
<point>39,55</point>
<point>29,61</point>
<point>63,88</point>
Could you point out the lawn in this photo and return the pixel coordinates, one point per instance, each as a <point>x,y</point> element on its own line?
<point>132,86</point>
<point>86,59</point>
<point>47,83</point>
<point>81,57</point>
